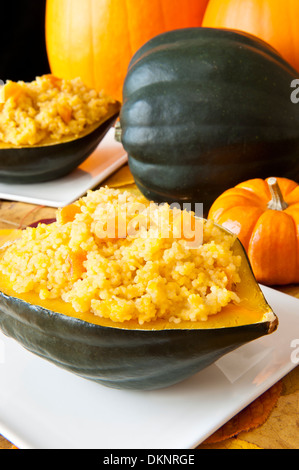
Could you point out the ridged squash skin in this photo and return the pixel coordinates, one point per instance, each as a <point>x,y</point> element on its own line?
<point>205,109</point>
<point>119,358</point>
<point>127,358</point>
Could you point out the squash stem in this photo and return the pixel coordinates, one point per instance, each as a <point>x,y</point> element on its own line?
<point>277,202</point>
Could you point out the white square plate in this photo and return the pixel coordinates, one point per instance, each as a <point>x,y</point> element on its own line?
<point>108,157</point>
<point>44,407</point>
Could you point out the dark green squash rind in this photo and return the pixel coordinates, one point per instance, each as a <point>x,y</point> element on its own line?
<point>204,109</point>
<point>119,358</point>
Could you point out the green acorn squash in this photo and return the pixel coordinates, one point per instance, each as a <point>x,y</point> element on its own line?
<point>127,355</point>
<point>205,109</point>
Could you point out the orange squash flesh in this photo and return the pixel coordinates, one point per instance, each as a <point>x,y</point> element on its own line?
<point>251,309</point>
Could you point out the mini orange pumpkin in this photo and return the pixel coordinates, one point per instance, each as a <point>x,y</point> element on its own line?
<point>265,216</point>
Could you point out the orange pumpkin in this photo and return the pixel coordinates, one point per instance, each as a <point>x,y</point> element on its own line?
<point>265,216</point>
<point>96,39</point>
<point>274,21</point>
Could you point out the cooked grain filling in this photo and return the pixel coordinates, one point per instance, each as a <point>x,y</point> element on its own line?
<point>48,109</point>
<point>136,273</point>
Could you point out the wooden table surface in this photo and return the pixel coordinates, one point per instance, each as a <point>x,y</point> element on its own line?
<point>281,429</point>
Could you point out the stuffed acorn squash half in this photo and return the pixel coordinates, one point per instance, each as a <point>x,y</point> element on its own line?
<point>48,127</point>
<point>128,293</point>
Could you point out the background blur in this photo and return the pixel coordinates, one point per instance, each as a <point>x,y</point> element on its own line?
<point>22,40</point>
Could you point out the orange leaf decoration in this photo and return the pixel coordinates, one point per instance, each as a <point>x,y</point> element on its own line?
<point>231,444</point>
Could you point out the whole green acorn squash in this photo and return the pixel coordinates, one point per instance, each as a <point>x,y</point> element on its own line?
<point>204,109</point>
<point>128,356</point>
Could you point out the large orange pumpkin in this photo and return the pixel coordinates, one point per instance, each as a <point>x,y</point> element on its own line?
<point>265,216</point>
<point>274,21</point>
<point>95,39</point>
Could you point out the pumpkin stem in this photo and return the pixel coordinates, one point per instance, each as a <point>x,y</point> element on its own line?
<point>277,202</point>
<point>118,132</point>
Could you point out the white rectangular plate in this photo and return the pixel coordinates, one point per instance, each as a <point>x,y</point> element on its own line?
<point>44,407</point>
<point>108,157</point>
